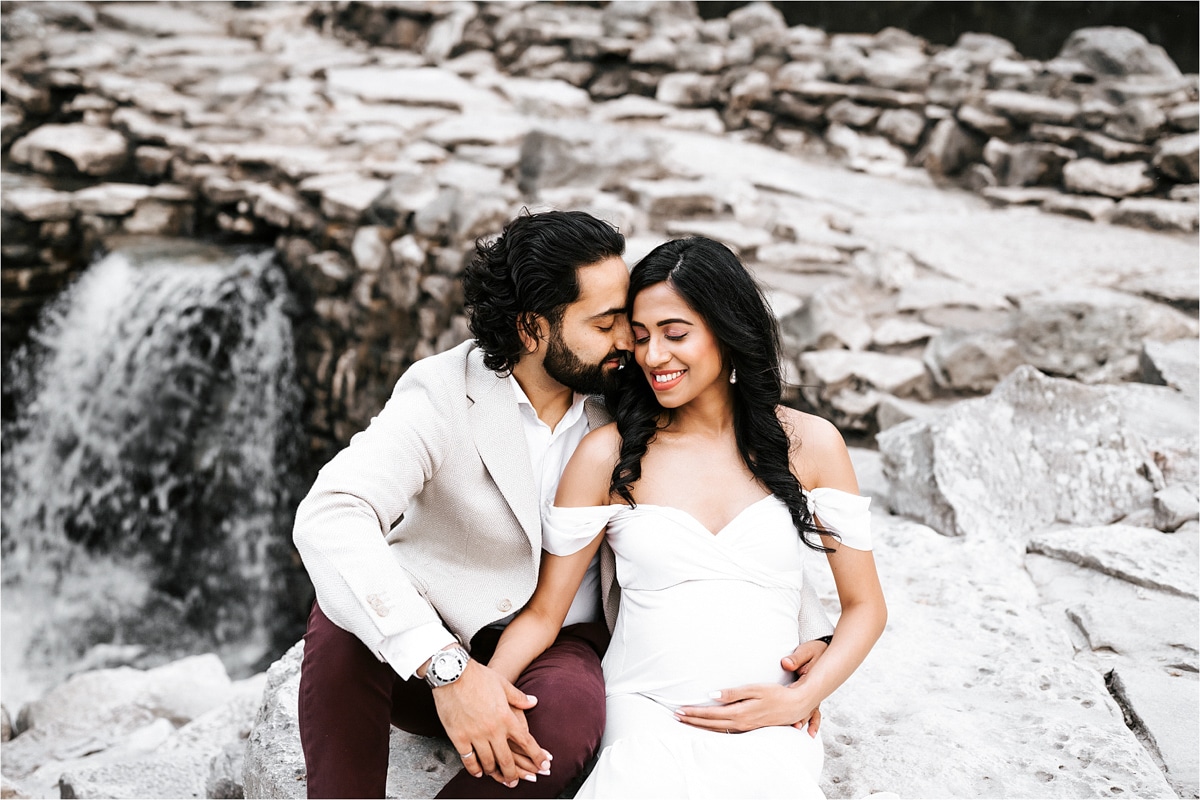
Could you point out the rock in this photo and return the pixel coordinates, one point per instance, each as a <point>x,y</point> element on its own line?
<point>1156,214</point>
<point>1118,51</point>
<point>895,332</point>
<point>86,149</point>
<point>1142,556</point>
<point>1094,335</point>
<point>1035,164</point>
<point>158,775</point>
<point>901,125</point>
<point>740,238</point>
<point>893,411</point>
<point>349,200</point>
<point>115,713</point>
<point>1033,726</point>
<point>6,731</point>
<point>1089,176</point>
<point>676,197</point>
<point>834,317</point>
<point>370,248</point>
<point>1138,121</point>
<point>686,89</point>
<point>1028,108</point>
<point>1174,506</point>
<point>925,293</point>
<point>584,156</point>
<point>38,204</point>
<point>1096,209</point>
<point>423,86</point>
<point>1184,117</point>
<point>546,98</point>
<point>1071,453</point>
<point>950,148</point>
<point>847,112</point>
<point>464,129</point>
<point>1162,708</point>
<point>274,762</point>
<point>847,385</point>
<point>984,121</point>
<point>1173,364</point>
<point>971,361</point>
<point>1178,157</point>
<point>1185,194</point>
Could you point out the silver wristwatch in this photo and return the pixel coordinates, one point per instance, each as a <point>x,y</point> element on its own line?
<point>446,666</point>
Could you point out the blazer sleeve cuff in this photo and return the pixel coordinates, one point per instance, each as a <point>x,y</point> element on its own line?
<point>406,652</point>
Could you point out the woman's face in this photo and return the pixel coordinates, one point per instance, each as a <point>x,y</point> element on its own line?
<point>675,348</point>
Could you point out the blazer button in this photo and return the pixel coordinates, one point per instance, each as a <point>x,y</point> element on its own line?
<point>378,605</point>
<point>504,605</point>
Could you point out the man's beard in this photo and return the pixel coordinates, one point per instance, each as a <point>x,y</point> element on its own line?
<point>568,369</point>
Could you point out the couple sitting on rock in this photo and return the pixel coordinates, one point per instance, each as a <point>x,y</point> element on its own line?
<point>586,531</point>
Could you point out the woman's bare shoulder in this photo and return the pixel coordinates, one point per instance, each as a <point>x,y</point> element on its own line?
<point>819,454</point>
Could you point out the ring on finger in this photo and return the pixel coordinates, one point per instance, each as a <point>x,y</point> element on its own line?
<point>466,755</point>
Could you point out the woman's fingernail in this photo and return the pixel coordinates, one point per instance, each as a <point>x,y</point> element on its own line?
<point>512,785</point>
<point>543,772</point>
<point>715,695</point>
<point>531,698</point>
<point>530,778</point>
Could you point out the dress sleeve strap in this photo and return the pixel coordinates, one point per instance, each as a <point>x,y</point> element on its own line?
<point>844,513</point>
<point>569,530</point>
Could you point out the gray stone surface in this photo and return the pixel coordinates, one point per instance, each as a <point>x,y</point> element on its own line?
<point>1143,556</point>
<point>1095,335</point>
<point>1089,176</point>
<point>88,149</point>
<point>1157,214</point>
<point>971,361</point>
<point>1011,713</point>
<point>1162,707</point>
<point>1175,364</point>
<point>1118,51</point>
<point>1071,453</point>
<point>1174,506</point>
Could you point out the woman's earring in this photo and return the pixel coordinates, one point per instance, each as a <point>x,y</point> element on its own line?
<point>733,375</point>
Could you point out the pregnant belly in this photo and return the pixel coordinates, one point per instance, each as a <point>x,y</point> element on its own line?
<point>678,644</point>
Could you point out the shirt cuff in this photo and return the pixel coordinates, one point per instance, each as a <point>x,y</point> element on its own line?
<point>406,652</point>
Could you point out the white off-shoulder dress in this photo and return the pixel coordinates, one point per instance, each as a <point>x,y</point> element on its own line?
<point>702,612</point>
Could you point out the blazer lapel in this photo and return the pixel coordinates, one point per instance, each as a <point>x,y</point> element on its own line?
<point>496,430</point>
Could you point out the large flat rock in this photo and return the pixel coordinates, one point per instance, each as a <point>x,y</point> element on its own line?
<point>1143,556</point>
<point>1162,707</point>
<point>1041,450</point>
<point>971,691</point>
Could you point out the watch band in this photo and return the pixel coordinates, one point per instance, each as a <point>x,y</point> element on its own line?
<point>446,666</point>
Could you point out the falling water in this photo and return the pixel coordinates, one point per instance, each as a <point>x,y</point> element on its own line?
<point>148,473</point>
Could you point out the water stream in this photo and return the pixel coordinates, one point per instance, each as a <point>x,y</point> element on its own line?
<point>148,472</point>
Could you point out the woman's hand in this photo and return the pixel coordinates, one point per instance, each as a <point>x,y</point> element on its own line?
<point>754,706</point>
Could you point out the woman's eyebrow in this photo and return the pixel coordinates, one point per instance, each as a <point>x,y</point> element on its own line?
<point>662,323</point>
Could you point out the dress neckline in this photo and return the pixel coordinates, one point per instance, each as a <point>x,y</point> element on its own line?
<point>691,517</point>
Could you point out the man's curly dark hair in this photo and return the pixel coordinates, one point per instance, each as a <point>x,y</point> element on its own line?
<point>530,271</point>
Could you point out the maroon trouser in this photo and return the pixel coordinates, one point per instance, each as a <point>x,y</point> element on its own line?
<point>349,700</point>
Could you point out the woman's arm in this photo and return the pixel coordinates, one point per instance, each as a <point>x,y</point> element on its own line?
<point>584,483</point>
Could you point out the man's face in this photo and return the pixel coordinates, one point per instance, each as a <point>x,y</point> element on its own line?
<point>591,342</point>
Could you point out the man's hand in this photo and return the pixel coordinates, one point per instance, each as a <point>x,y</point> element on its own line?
<point>484,717</point>
<point>800,662</point>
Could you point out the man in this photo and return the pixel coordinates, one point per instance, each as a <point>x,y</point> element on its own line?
<point>422,538</point>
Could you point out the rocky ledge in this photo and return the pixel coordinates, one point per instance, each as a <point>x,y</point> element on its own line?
<point>1029,378</point>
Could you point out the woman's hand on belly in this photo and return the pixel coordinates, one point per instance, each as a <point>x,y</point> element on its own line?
<point>758,705</point>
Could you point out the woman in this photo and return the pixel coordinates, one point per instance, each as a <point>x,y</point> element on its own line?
<point>712,497</point>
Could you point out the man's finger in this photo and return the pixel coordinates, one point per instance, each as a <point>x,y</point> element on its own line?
<point>518,699</point>
<point>470,759</point>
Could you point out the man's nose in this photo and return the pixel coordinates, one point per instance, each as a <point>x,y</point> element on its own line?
<point>623,334</point>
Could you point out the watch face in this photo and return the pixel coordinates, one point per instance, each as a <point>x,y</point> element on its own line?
<point>447,666</point>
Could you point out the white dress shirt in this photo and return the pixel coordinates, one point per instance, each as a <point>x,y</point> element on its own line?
<point>549,452</point>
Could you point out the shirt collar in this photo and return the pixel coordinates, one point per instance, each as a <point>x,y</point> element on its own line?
<point>572,416</point>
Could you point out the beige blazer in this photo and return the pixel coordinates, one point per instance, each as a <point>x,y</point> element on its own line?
<point>431,513</point>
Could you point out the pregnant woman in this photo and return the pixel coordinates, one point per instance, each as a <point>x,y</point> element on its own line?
<point>713,497</point>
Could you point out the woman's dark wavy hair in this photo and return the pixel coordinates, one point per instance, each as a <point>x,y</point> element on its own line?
<point>530,270</point>
<point>711,279</point>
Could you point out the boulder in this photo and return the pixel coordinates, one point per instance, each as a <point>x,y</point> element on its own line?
<point>86,149</point>
<point>834,317</point>
<point>1138,121</point>
<point>1029,108</point>
<point>1178,157</point>
<point>585,155</point>
<point>274,761</point>
<point>1161,706</point>
<point>847,385</point>
<point>1065,452</point>
<point>951,147</point>
<point>901,125</point>
<point>423,86</point>
<point>971,361</point>
<point>1175,364</point>
<point>1142,556</point>
<point>1089,176</point>
<point>1118,52</point>
<point>1095,335</point>
<point>1157,214</point>
<point>1038,725</point>
<point>1175,506</point>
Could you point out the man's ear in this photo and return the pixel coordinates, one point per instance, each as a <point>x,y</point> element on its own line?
<point>533,330</point>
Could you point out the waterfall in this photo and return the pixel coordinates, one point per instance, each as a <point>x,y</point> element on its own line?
<point>149,467</point>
